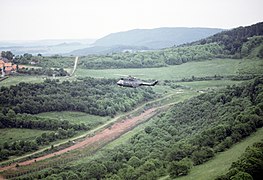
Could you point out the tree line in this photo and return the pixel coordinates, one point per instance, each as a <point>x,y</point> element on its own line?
<point>188,134</point>
<point>160,58</point>
<point>43,71</point>
<point>55,61</point>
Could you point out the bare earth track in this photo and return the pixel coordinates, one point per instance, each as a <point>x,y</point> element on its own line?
<point>105,135</point>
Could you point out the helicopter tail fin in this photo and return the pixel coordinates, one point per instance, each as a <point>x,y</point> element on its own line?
<point>150,84</point>
<point>154,83</point>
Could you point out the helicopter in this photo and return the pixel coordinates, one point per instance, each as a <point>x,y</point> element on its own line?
<point>134,82</point>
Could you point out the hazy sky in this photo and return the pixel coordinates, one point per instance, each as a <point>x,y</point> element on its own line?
<point>66,19</point>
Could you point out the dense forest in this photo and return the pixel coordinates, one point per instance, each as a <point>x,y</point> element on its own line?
<point>233,40</point>
<point>190,133</point>
<point>94,96</point>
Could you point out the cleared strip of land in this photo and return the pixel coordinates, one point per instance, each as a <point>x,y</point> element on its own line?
<point>106,135</point>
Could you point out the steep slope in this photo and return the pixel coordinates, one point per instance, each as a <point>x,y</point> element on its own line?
<point>233,40</point>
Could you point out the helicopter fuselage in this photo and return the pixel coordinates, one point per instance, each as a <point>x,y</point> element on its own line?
<point>132,82</point>
<point>128,83</point>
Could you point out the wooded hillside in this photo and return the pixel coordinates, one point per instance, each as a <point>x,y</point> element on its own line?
<point>189,134</point>
<point>233,40</point>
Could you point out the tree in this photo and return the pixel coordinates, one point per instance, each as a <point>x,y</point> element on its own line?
<point>134,161</point>
<point>244,51</point>
<point>180,168</point>
<point>260,52</point>
<point>97,170</point>
<point>148,129</point>
<point>176,154</point>
<point>7,54</point>
<point>127,173</point>
<point>202,155</point>
<point>4,154</point>
<point>114,177</point>
<point>242,176</point>
<point>28,56</point>
<point>11,114</point>
<point>71,175</point>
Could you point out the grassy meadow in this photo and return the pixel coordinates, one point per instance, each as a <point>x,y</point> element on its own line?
<point>187,70</point>
<point>13,80</point>
<point>75,117</point>
<point>16,134</point>
<point>220,164</point>
<point>204,85</point>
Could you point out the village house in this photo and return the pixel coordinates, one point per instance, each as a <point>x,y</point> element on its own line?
<point>6,67</point>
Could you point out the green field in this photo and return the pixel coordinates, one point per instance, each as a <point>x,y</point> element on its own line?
<point>187,70</point>
<point>15,134</point>
<point>13,80</point>
<point>204,85</point>
<point>75,117</point>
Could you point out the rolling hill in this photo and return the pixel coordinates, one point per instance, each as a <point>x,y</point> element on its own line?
<point>156,38</point>
<point>145,39</point>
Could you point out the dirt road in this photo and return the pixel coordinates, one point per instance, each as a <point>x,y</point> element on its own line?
<point>105,135</point>
<point>75,65</point>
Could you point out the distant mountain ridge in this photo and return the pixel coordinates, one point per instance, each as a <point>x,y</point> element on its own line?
<point>146,39</point>
<point>156,38</point>
<point>45,47</point>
